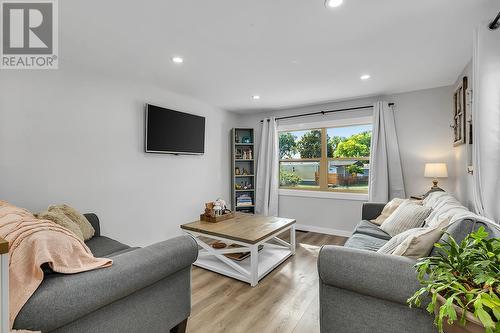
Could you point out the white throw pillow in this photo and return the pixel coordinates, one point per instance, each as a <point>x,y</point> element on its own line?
<point>395,241</point>
<point>407,216</point>
<point>389,208</point>
<point>419,244</point>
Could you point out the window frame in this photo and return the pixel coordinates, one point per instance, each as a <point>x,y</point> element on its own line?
<point>323,191</point>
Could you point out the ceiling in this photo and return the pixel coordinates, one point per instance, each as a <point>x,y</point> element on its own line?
<point>290,52</point>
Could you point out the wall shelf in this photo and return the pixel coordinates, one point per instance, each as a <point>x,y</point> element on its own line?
<point>242,158</point>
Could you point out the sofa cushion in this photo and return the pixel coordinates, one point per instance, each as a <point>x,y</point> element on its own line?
<point>62,220</point>
<point>389,208</point>
<point>365,242</point>
<point>419,244</point>
<point>397,240</point>
<point>102,246</point>
<point>371,229</point>
<point>407,216</point>
<point>75,216</point>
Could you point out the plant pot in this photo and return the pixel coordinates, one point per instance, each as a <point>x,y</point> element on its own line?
<point>472,324</point>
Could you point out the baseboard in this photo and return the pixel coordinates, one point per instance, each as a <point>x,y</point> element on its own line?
<point>323,230</point>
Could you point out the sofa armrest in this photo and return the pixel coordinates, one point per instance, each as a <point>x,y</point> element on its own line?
<point>65,298</point>
<point>371,210</point>
<point>383,276</point>
<point>94,221</point>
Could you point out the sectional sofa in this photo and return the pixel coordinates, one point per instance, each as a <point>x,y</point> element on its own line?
<point>365,291</point>
<point>146,290</point>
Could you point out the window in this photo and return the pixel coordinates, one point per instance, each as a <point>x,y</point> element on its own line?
<point>335,159</point>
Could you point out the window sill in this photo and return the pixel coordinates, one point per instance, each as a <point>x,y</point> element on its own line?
<point>323,194</point>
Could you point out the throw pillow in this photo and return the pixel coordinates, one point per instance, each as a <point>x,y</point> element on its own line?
<point>408,215</point>
<point>62,220</point>
<point>389,208</point>
<point>75,216</point>
<point>419,244</point>
<point>395,241</point>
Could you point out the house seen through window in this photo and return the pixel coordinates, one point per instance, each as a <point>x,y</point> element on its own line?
<point>329,159</point>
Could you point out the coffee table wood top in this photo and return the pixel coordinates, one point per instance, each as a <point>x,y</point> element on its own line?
<point>246,228</point>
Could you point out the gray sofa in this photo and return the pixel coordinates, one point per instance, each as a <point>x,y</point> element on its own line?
<point>364,291</point>
<point>146,290</point>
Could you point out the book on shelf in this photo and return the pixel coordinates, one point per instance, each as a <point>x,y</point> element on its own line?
<point>244,200</point>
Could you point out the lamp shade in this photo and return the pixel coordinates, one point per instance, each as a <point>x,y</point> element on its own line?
<point>436,170</point>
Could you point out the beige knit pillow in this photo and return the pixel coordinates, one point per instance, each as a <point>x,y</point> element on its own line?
<point>408,215</point>
<point>75,216</point>
<point>389,208</point>
<point>62,220</point>
<point>418,245</point>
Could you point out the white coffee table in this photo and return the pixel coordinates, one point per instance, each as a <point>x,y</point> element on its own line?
<point>248,231</point>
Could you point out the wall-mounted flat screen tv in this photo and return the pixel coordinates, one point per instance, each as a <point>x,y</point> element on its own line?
<point>174,132</point>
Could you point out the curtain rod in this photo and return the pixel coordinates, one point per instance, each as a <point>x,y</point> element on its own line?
<point>494,24</point>
<point>325,112</point>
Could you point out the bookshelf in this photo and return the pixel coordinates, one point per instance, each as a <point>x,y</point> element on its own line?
<point>243,170</point>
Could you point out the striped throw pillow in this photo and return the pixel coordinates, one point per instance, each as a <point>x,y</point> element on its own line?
<point>407,216</point>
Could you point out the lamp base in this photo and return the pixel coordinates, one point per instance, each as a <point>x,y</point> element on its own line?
<point>435,187</point>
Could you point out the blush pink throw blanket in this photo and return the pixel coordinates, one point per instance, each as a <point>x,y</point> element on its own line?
<point>34,242</point>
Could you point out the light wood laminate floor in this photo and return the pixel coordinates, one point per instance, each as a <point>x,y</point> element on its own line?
<point>284,301</point>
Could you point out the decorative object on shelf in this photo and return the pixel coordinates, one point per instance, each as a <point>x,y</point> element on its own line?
<point>246,139</point>
<point>435,171</point>
<point>236,139</point>
<point>239,256</point>
<point>467,297</point>
<point>237,171</point>
<point>216,211</point>
<point>247,154</point>
<point>238,154</point>
<point>245,172</point>
<point>219,245</point>
<point>237,186</point>
<point>460,113</point>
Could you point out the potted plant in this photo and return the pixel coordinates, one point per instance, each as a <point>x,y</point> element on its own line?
<point>463,283</point>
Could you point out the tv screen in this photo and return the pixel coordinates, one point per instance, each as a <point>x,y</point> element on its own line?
<point>174,132</point>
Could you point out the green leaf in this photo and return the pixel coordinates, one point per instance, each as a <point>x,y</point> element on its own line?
<point>485,318</point>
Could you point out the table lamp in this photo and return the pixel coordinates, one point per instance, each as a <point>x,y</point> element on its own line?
<point>435,171</point>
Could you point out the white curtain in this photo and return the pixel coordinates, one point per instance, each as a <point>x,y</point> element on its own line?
<point>267,184</point>
<point>386,175</point>
<point>486,122</point>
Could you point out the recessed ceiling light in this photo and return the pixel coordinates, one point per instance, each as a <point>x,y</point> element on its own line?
<point>365,77</point>
<point>256,97</point>
<point>177,60</point>
<point>333,3</point>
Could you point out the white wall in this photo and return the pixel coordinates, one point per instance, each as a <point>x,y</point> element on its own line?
<point>422,122</point>
<point>78,138</point>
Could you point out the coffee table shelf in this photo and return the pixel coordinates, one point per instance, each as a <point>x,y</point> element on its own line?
<point>269,258</point>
